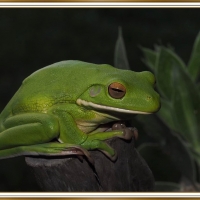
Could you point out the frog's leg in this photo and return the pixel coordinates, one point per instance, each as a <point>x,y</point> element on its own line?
<point>95,140</point>
<point>47,149</point>
<point>26,134</point>
<point>72,134</point>
<point>28,129</point>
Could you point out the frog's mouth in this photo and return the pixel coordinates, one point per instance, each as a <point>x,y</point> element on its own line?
<point>106,117</point>
<point>99,107</point>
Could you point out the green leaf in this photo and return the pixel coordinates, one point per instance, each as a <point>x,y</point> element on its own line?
<point>171,144</point>
<point>166,113</point>
<point>194,62</point>
<point>198,88</point>
<point>186,107</point>
<point>120,56</point>
<point>150,57</point>
<point>167,60</point>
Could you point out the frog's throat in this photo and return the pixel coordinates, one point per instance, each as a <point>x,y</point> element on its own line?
<point>108,108</point>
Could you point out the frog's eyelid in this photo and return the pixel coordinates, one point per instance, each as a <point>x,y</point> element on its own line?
<point>94,90</point>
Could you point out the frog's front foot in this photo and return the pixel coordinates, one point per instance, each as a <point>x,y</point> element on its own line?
<point>97,140</point>
<point>128,132</point>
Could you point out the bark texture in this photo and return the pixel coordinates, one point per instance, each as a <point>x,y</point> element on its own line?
<point>128,173</point>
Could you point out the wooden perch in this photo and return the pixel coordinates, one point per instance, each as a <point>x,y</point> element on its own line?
<point>129,173</point>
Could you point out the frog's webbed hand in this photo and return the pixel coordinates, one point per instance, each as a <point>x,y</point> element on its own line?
<point>132,130</point>
<point>96,140</point>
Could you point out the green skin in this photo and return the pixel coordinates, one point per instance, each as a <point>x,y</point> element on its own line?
<point>69,102</point>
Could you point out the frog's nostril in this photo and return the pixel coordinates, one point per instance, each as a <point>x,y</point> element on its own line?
<point>149,98</point>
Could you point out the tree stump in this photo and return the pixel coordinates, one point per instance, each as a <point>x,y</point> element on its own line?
<point>128,173</point>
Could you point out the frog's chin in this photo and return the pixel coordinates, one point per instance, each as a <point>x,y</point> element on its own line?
<point>99,107</point>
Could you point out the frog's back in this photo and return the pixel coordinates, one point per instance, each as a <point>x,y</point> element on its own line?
<point>56,83</point>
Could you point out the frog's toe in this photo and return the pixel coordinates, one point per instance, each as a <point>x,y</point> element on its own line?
<point>105,149</point>
<point>82,152</point>
<point>118,126</point>
<point>128,132</point>
<point>135,132</point>
<point>111,157</point>
<point>78,151</point>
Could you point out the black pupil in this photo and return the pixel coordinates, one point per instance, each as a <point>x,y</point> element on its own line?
<point>117,90</point>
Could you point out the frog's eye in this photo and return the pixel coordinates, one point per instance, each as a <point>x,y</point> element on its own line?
<point>116,90</point>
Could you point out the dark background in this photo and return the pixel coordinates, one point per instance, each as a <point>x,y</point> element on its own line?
<point>33,38</point>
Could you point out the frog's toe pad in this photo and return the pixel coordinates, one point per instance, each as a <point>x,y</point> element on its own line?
<point>118,126</point>
<point>135,132</point>
<point>128,132</point>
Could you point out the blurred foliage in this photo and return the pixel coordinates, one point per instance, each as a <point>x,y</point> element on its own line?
<point>174,153</point>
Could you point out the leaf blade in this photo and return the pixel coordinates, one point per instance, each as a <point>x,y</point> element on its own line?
<point>186,106</point>
<point>194,61</point>
<point>171,144</point>
<point>165,113</point>
<point>120,55</point>
<point>167,60</point>
<point>150,57</point>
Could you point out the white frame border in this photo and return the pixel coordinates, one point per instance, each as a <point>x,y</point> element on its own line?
<point>99,5</point>
<point>99,195</point>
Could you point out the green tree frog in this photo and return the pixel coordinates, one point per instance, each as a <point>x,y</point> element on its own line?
<point>68,108</point>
